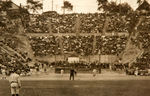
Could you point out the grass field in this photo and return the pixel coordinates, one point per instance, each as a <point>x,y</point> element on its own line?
<point>80,88</point>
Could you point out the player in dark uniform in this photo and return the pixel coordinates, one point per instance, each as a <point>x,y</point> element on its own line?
<point>72,73</point>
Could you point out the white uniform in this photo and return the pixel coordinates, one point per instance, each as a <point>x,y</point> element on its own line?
<point>136,72</point>
<point>15,83</point>
<point>3,74</point>
<point>62,72</point>
<point>94,72</point>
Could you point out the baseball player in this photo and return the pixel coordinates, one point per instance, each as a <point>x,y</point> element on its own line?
<point>15,83</point>
<point>62,72</point>
<point>94,72</point>
<point>3,74</point>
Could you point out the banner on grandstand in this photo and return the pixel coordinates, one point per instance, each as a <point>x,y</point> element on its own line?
<point>99,58</point>
<point>73,59</point>
<point>108,58</point>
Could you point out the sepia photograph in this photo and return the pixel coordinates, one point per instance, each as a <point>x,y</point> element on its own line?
<point>74,47</point>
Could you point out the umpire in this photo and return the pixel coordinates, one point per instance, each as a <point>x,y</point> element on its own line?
<point>72,73</point>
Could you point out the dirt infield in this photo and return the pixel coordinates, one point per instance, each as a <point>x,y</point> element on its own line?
<point>86,77</point>
<point>105,75</point>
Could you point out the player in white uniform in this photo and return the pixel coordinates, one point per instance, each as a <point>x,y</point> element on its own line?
<point>15,83</point>
<point>3,74</point>
<point>62,72</point>
<point>94,72</point>
<point>136,71</point>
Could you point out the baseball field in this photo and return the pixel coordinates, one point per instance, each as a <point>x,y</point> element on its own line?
<point>137,86</point>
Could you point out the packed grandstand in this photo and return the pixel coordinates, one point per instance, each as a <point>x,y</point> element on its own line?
<point>81,35</point>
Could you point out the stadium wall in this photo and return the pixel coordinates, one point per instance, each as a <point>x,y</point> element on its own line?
<point>90,58</point>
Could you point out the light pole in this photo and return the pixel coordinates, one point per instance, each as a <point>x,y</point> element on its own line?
<point>43,5</point>
<point>52,4</point>
<point>56,8</point>
<point>63,6</point>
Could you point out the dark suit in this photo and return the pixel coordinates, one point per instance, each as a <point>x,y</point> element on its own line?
<point>72,73</point>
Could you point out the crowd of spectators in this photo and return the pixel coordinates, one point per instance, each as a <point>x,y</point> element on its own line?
<point>91,23</point>
<point>43,46</point>
<point>110,45</point>
<point>84,23</point>
<point>143,39</point>
<point>143,61</point>
<point>13,62</point>
<point>81,45</point>
<point>11,56</point>
<point>145,25</point>
<point>79,66</point>
<point>118,23</point>
<point>140,66</point>
<point>56,23</point>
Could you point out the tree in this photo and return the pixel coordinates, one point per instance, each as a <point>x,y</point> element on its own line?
<point>140,2</point>
<point>144,7</point>
<point>67,5</point>
<point>4,6</point>
<point>34,6</point>
<point>102,5</point>
<point>113,7</point>
<point>124,8</point>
